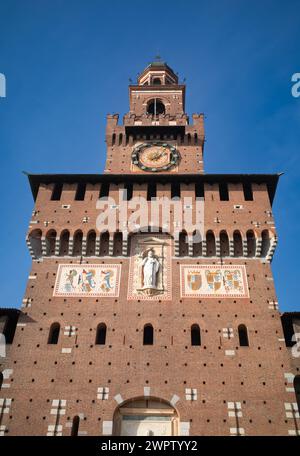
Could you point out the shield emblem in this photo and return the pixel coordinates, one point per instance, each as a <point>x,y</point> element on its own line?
<point>214,279</point>
<point>232,280</point>
<point>194,280</point>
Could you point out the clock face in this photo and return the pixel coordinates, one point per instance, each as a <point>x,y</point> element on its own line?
<point>155,156</point>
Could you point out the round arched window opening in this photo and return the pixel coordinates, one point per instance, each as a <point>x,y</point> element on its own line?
<point>156,81</point>
<point>156,107</point>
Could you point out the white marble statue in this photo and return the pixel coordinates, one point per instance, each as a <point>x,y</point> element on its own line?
<point>150,267</point>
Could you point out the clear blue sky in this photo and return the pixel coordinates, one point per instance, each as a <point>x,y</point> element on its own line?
<point>67,65</point>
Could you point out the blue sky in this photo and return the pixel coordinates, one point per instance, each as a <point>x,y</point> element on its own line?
<point>67,64</point>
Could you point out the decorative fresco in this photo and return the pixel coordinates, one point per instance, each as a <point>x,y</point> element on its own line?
<point>150,267</point>
<point>210,281</point>
<point>88,280</point>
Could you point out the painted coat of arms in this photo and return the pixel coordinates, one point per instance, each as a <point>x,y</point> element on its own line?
<point>88,280</point>
<point>213,281</point>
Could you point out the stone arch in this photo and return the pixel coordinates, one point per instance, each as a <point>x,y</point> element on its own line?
<point>265,242</point>
<point>251,243</point>
<point>224,243</point>
<point>64,243</point>
<point>50,242</point>
<point>77,245</point>
<point>91,243</point>
<point>35,242</point>
<point>237,244</point>
<point>148,416</point>
<point>183,244</point>
<point>118,243</point>
<point>210,243</point>
<point>104,243</point>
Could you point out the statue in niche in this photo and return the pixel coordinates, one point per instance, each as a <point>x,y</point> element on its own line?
<point>150,268</point>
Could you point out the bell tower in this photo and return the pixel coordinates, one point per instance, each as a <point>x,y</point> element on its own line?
<point>156,135</point>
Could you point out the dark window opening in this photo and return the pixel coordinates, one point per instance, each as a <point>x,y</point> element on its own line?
<point>1,380</point>
<point>248,194</point>
<point>223,189</point>
<point>104,190</point>
<point>75,426</point>
<point>129,189</point>
<point>156,107</point>
<point>156,81</point>
<point>80,192</point>
<point>243,336</point>
<point>148,335</point>
<point>101,334</point>
<point>297,389</point>
<point>54,333</point>
<point>151,191</point>
<point>199,188</point>
<point>57,191</point>
<point>175,190</point>
<point>195,335</point>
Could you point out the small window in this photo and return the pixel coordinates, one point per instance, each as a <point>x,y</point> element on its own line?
<point>248,194</point>
<point>80,192</point>
<point>129,189</point>
<point>1,380</point>
<point>195,335</point>
<point>75,426</point>
<point>57,191</point>
<point>175,190</point>
<point>151,191</point>
<point>156,81</point>
<point>101,334</point>
<point>148,335</point>
<point>243,336</point>
<point>104,190</point>
<point>54,334</point>
<point>223,189</point>
<point>199,188</point>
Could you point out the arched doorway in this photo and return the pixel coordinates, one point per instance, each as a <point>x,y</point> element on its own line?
<point>146,416</point>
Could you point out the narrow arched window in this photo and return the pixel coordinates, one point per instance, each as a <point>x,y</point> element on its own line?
<point>243,336</point>
<point>101,334</point>
<point>297,389</point>
<point>75,426</point>
<point>148,335</point>
<point>54,333</point>
<point>1,380</point>
<point>195,335</point>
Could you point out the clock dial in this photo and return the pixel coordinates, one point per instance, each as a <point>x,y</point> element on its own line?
<point>155,156</point>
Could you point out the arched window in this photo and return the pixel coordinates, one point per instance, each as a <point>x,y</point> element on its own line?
<point>75,426</point>
<point>91,243</point>
<point>210,244</point>
<point>77,246</point>
<point>251,243</point>
<point>148,335</point>
<point>64,243</point>
<point>265,243</point>
<point>50,242</point>
<point>54,333</point>
<point>224,244</point>
<point>35,239</point>
<point>101,334</point>
<point>104,243</point>
<point>197,243</point>
<point>1,380</point>
<point>113,139</point>
<point>118,243</point>
<point>195,335</point>
<point>156,81</point>
<point>156,107</point>
<point>243,336</point>
<point>183,245</point>
<point>297,389</point>
<point>237,244</point>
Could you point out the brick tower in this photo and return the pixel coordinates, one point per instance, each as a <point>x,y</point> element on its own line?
<point>150,307</point>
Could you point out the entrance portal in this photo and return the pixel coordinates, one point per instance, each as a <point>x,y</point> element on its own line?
<point>146,417</point>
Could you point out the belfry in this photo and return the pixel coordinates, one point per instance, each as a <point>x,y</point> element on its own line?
<point>150,308</point>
